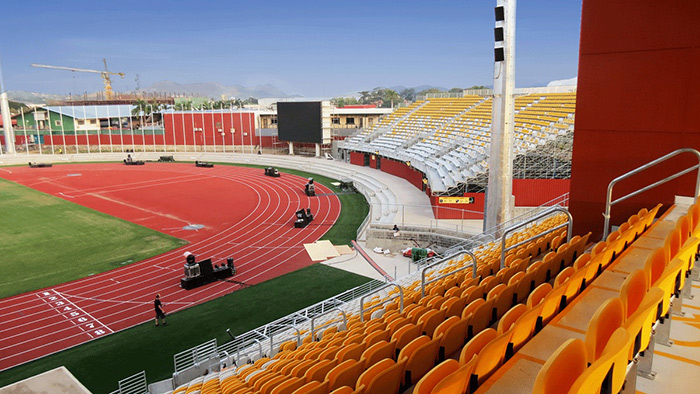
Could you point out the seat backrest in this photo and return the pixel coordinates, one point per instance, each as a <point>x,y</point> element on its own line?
<point>378,351</point>
<point>421,360</point>
<point>633,291</point>
<point>453,306</point>
<point>288,386</point>
<point>344,374</point>
<point>563,276</point>
<point>524,328</point>
<point>552,304</point>
<point>481,317</point>
<point>609,370</point>
<point>476,344</point>
<point>426,384</point>
<point>352,351</point>
<point>655,265</point>
<point>510,317</point>
<point>491,357</point>
<point>598,248</point>
<point>376,336</point>
<point>672,244</point>
<point>452,338</point>
<point>562,368</point>
<point>407,350</point>
<point>382,378</point>
<point>608,318</point>
<point>471,307</point>
<point>516,277</point>
<point>397,323</point>
<point>406,334</point>
<point>319,370</point>
<point>313,387</point>
<point>430,320</point>
<point>329,352</point>
<point>457,381</point>
<point>538,294</point>
<point>493,293</point>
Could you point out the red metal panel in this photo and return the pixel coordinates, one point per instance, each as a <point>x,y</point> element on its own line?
<point>637,94</point>
<point>357,158</point>
<point>535,192</point>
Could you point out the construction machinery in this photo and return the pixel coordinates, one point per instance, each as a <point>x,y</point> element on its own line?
<point>103,74</point>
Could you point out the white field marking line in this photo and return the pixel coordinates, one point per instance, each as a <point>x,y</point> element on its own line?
<point>295,237</point>
<point>168,256</point>
<point>176,253</point>
<point>6,170</point>
<point>324,218</point>
<point>69,311</point>
<point>65,195</point>
<point>133,187</point>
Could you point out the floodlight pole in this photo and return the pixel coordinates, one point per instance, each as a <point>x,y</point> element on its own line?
<point>500,185</point>
<point>6,118</point>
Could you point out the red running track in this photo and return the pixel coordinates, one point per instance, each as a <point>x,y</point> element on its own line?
<point>246,215</point>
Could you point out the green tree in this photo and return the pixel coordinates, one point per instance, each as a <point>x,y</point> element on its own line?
<point>408,94</point>
<point>455,90</point>
<point>475,87</point>
<point>340,102</point>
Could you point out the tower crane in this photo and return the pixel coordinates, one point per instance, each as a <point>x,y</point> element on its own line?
<point>103,74</point>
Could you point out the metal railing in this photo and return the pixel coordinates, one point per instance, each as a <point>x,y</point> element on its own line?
<point>549,212</point>
<point>134,384</point>
<point>195,355</point>
<point>313,321</point>
<point>388,300</point>
<point>609,202</point>
<point>423,270</point>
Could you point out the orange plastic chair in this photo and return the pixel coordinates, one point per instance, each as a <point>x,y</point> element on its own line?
<point>329,352</point>
<point>614,356</point>
<point>633,291</point>
<point>491,357</point>
<point>378,351</point>
<point>608,318</point>
<point>351,352</point>
<point>420,356</point>
<point>476,344</point>
<point>581,261</point>
<point>453,306</point>
<point>563,276</point>
<point>344,374</point>
<point>396,324</point>
<point>516,278</point>
<point>376,336</point>
<point>552,304</point>
<point>313,387</point>
<point>405,335</point>
<point>319,370</point>
<point>510,317</point>
<point>457,381</point>
<point>655,265</point>
<point>525,327</point>
<point>451,333</point>
<point>267,386</point>
<point>525,286</point>
<point>471,307</point>
<point>504,300</point>
<point>538,295</point>
<point>640,323</point>
<point>481,318</point>
<point>561,370</point>
<point>430,320</point>
<point>383,377</point>
<point>434,376</point>
<point>288,386</point>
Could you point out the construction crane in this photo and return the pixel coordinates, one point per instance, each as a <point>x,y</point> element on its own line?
<point>103,74</point>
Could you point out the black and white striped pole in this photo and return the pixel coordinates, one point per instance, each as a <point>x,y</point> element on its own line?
<point>499,204</point>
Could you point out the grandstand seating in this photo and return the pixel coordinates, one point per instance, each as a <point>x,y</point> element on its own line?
<point>448,138</point>
<point>502,313</point>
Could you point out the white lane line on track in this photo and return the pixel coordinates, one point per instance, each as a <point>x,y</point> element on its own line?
<point>246,230</point>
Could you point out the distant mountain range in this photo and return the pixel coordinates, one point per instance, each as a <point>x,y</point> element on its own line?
<point>216,90</point>
<point>34,97</point>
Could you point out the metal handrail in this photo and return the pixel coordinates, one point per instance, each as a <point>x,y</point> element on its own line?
<point>272,342</point>
<point>313,320</point>
<point>544,214</point>
<point>362,299</point>
<point>609,203</point>
<point>424,269</point>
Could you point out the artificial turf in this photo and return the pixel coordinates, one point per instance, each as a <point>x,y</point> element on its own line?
<point>47,241</point>
<point>101,363</point>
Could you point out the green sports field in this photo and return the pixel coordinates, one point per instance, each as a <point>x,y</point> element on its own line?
<point>101,363</point>
<point>47,240</point>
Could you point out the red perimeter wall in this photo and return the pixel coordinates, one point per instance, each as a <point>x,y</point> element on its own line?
<point>180,129</point>
<point>637,99</point>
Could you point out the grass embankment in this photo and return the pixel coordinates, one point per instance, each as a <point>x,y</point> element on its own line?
<point>47,241</point>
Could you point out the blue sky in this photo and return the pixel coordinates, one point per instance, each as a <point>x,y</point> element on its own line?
<point>313,48</point>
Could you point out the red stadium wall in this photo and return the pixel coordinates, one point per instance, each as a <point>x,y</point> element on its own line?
<point>404,171</point>
<point>357,158</point>
<point>206,129</point>
<point>638,86</point>
<point>459,211</point>
<point>535,192</point>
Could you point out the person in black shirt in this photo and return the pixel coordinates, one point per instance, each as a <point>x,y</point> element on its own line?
<point>160,314</point>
